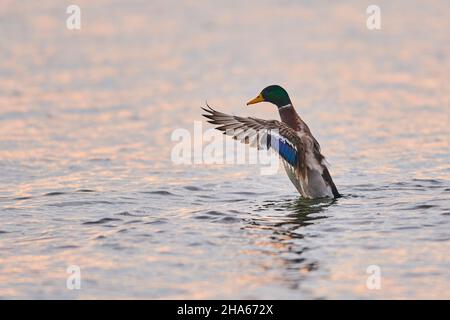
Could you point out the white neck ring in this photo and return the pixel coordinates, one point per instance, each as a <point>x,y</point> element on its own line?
<point>285,106</point>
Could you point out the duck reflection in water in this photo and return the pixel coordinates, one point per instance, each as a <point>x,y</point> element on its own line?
<point>276,229</point>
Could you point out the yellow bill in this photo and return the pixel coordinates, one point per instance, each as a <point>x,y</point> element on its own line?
<point>259,98</point>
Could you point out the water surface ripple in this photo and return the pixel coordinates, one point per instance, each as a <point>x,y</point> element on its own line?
<point>86,177</point>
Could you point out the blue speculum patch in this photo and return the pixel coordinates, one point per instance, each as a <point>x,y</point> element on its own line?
<point>284,149</point>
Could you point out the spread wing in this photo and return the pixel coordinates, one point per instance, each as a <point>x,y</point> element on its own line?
<point>261,134</point>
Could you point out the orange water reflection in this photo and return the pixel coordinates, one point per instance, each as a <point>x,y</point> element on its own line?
<point>96,107</point>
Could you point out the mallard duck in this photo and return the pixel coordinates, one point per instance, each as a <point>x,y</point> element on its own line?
<point>291,139</point>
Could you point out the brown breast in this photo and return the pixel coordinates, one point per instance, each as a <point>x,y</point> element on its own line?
<point>289,116</point>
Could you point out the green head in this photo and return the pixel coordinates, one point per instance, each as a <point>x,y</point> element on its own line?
<point>273,94</point>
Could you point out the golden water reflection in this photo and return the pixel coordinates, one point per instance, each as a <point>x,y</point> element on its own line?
<point>85,125</point>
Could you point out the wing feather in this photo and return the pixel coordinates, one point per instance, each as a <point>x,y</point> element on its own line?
<point>249,130</point>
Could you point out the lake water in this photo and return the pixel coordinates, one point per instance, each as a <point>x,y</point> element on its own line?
<point>86,176</point>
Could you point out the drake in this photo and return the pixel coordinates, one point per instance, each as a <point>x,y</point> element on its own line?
<point>291,139</point>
